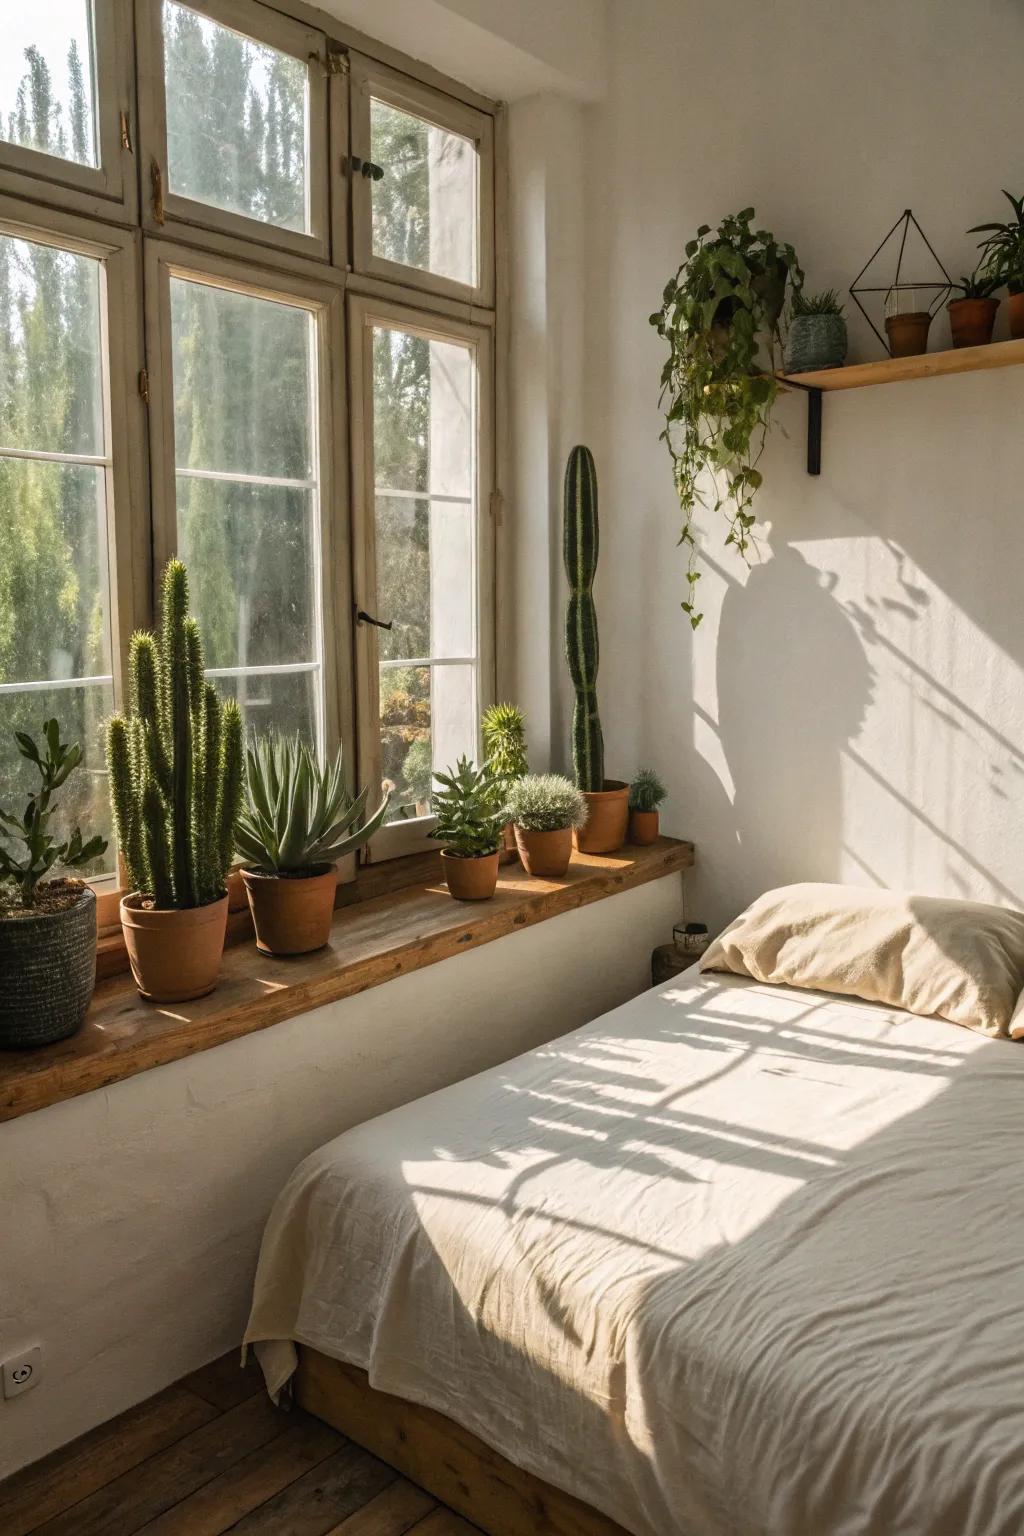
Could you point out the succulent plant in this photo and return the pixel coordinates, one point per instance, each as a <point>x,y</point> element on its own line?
<point>646,791</point>
<point>580,548</point>
<point>175,763</point>
<point>470,810</point>
<point>55,763</point>
<point>504,734</point>
<point>545,802</point>
<point>826,303</point>
<point>298,814</point>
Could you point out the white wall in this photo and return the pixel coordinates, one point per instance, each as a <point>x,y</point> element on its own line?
<point>853,709</point>
<point>131,1217</point>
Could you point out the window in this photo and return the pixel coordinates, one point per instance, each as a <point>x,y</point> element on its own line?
<point>66,100</point>
<point>426,548</point>
<point>57,496</point>
<point>314,440</point>
<point>237,123</point>
<point>423,211</point>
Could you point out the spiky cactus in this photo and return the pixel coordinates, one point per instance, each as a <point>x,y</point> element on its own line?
<point>581,648</point>
<point>175,763</point>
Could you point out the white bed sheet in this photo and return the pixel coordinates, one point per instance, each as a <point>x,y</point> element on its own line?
<point>733,1260</point>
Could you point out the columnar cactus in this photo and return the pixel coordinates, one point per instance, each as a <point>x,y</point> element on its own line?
<point>581,648</point>
<point>175,764</point>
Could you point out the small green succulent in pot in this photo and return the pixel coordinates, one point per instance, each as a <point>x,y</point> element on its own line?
<point>546,809</point>
<point>817,332</point>
<point>503,728</point>
<point>470,811</point>
<point>47,925</point>
<point>646,794</point>
<point>297,821</point>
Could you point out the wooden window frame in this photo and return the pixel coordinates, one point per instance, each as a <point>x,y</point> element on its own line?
<point>127,496</point>
<point>369,79</point>
<point>406,312</point>
<point>179,217</point>
<point>323,301</point>
<point>109,190</point>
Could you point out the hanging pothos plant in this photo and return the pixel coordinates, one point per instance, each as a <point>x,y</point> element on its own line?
<point>718,313</point>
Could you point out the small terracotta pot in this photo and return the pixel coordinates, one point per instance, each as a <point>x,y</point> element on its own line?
<point>971,321</point>
<point>545,854</point>
<point>643,828</point>
<point>292,914</point>
<point>607,819</point>
<point>175,955</point>
<point>908,334</point>
<point>1015,305</point>
<point>470,879</point>
<point>508,853</point>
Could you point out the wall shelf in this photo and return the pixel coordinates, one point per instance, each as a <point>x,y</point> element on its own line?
<point>892,370</point>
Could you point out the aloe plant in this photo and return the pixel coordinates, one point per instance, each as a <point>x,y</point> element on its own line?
<point>297,813</point>
<point>470,810</point>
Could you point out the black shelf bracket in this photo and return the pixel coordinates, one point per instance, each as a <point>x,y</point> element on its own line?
<point>813,423</point>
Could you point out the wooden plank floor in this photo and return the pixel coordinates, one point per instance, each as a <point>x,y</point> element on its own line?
<point>211,1454</point>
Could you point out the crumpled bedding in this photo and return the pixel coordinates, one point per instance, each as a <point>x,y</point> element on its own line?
<point>732,1260</point>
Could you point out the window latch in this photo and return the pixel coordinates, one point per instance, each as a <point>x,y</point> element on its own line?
<point>368,618</point>
<point>366,168</point>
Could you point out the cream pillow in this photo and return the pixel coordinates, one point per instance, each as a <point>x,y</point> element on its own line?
<point>959,960</point>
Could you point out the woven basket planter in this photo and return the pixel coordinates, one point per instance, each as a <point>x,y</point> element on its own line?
<point>47,973</point>
<point>816,341</point>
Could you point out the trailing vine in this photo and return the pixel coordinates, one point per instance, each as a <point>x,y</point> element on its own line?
<point>718,311</point>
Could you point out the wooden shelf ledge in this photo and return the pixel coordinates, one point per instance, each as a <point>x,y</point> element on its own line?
<point>896,370</point>
<point>371,942</point>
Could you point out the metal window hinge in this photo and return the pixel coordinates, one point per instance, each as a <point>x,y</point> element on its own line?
<point>365,168</point>
<point>157,179</point>
<point>336,62</point>
<point>144,385</point>
<point>126,133</point>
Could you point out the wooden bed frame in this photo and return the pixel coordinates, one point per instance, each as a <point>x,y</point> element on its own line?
<point>440,1456</point>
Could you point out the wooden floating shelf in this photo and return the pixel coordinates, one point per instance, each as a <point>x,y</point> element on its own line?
<point>896,370</point>
<point>892,370</point>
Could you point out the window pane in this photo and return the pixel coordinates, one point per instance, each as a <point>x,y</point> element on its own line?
<point>426,205</point>
<point>248,513</point>
<point>424,438</point>
<point>51,386</point>
<point>237,121</point>
<point>54,621</point>
<point>48,79</point>
<point>241,382</point>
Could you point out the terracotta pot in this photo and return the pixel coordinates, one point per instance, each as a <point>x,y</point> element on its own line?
<point>643,828</point>
<point>508,853</point>
<point>971,321</point>
<point>47,972</point>
<point>545,854</point>
<point>1015,305</point>
<point>908,334</point>
<point>175,955</point>
<point>470,879</point>
<point>292,914</point>
<point>607,819</point>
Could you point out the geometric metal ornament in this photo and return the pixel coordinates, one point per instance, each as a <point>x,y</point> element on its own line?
<point>901,286</point>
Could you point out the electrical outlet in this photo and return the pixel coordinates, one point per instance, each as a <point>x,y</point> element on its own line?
<point>22,1372</point>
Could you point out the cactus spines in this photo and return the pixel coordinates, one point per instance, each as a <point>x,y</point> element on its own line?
<point>580,546</point>
<point>175,764</point>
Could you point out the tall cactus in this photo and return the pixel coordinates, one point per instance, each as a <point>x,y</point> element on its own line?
<point>580,542</point>
<point>175,763</point>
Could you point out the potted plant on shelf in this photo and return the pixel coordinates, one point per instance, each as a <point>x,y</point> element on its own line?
<point>175,764</point>
<point>297,820</point>
<point>607,799</point>
<point>47,926</point>
<point>1003,253</point>
<point>470,812</point>
<point>645,795</point>
<point>545,810</point>
<point>817,332</point>
<point>718,313</point>
<point>972,316</point>
<point>503,727</point>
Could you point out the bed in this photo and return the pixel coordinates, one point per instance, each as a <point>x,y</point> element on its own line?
<point>733,1260</point>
